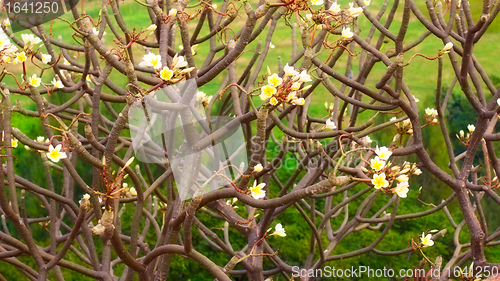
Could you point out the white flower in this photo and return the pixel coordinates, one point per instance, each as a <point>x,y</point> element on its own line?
<point>376,164</point>
<point>368,140</point>
<point>367,2</point>
<point>431,112</point>
<point>14,142</point>
<point>416,100</point>
<point>317,2</point>
<point>498,102</point>
<point>354,11</point>
<point>6,22</point>
<point>151,27</point>
<point>166,73</point>
<point>151,60</point>
<point>393,118</point>
<point>46,58</point>
<point>57,83</point>
<point>300,101</point>
<point>200,96</point>
<point>384,153</point>
<point>417,172</point>
<point>271,45</point>
<point>401,189</point>
<point>40,139</point>
<point>133,191</point>
<point>303,77</point>
<point>346,33</point>
<point>257,168</point>
<point>30,39</point>
<point>330,124</point>
<point>178,62</point>
<point>309,17</point>
<point>66,62</point>
<point>172,13</point>
<point>274,80</point>
<point>34,80</point>
<point>279,230</point>
<point>447,48</point>
<point>96,32</point>
<point>471,128</point>
<point>257,191</point>
<point>290,71</point>
<point>55,154</point>
<point>426,240</point>
<point>402,178</point>
<point>379,181</point>
<point>335,8</point>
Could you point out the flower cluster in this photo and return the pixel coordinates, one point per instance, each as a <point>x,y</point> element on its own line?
<point>404,127</point>
<point>465,139</point>
<point>285,89</point>
<point>384,173</point>
<point>202,98</point>
<point>171,75</point>
<point>431,116</point>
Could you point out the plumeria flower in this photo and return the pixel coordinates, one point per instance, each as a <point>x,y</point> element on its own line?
<point>354,11</point>
<point>426,240</point>
<point>34,80</point>
<point>417,172</point>
<point>447,48</point>
<point>295,86</point>
<point>471,128</point>
<point>379,181</point>
<point>402,178</point>
<point>330,124</point>
<point>346,33</point>
<point>132,191</point>
<point>279,230</point>
<point>40,139</point>
<point>368,140</point>
<point>66,62</point>
<point>20,57</point>
<point>14,142</point>
<point>6,22</point>
<point>257,191</point>
<point>290,71</point>
<point>178,62</point>
<point>431,112</point>
<point>46,58</point>
<point>377,164</point>
<point>273,101</point>
<point>303,77</point>
<point>300,101</point>
<point>271,45</point>
<point>151,60</point>
<point>151,27</point>
<point>30,39</point>
<point>202,98</point>
<point>367,2</point>
<point>55,154</point>
<point>498,100</point>
<point>267,91</point>
<point>335,8</point>
<point>309,17</point>
<point>257,168</point>
<point>274,80</point>
<point>57,83</point>
<point>401,189</point>
<point>317,2</point>
<point>166,73</point>
<point>384,153</point>
<point>96,32</point>
<point>172,13</point>
<point>85,201</point>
